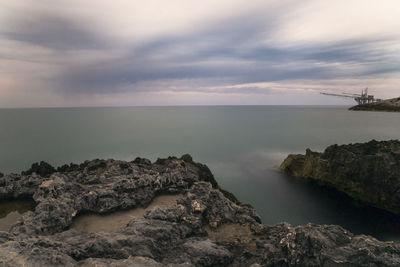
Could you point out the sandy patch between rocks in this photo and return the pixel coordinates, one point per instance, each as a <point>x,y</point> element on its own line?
<point>11,212</point>
<point>119,219</point>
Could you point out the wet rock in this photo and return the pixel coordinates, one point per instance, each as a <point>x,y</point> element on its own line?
<point>196,231</point>
<point>368,172</point>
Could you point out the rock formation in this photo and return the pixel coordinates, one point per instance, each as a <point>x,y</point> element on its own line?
<point>207,226</point>
<point>368,172</point>
<point>384,105</point>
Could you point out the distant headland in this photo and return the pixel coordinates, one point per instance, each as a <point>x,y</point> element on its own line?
<point>391,105</point>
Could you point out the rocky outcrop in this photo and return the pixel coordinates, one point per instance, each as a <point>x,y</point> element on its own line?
<point>368,172</point>
<point>207,226</point>
<point>392,105</point>
<point>43,169</point>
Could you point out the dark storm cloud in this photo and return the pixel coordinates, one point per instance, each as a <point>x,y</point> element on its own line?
<point>55,32</point>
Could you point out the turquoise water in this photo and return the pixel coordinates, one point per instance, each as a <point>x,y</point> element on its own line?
<point>242,145</point>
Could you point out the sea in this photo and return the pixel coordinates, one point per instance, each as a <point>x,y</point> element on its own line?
<point>242,145</point>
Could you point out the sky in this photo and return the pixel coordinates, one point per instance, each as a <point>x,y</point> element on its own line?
<point>185,52</point>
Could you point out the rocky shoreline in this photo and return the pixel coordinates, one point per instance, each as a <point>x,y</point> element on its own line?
<point>367,172</point>
<point>389,105</point>
<point>207,227</point>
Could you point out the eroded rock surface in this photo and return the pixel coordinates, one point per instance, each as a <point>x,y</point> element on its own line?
<point>196,231</point>
<point>368,172</point>
<point>116,220</point>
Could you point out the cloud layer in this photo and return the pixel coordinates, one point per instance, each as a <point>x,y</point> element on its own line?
<point>195,52</point>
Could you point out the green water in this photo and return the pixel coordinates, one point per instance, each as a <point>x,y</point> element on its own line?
<point>242,145</point>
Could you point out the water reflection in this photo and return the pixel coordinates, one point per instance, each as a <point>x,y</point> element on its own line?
<point>278,197</point>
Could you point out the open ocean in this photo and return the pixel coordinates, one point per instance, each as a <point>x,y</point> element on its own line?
<point>242,145</point>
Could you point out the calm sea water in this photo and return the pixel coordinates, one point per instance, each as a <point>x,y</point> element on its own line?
<point>242,145</point>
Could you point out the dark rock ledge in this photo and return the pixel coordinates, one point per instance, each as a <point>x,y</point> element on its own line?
<point>367,172</point>
<point>207,226</point>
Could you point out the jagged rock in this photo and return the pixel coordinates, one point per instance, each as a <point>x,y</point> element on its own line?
<point>368,172</point>
<point>142,161</point>
<point>68,168</point>
<point>15,186</point>
<point>206,227</point>
<point>43,169</point>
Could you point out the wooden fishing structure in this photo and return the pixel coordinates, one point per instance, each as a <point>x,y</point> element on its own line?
<point>363,98</point>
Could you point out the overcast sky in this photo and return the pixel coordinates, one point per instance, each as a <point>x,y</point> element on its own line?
<point>185,52</point>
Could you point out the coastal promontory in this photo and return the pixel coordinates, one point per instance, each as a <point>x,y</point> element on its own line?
<point>206,226</point>
<point>392,105</point>
<point>367,172</point>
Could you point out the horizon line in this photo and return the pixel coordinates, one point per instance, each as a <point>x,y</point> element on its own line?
<point>197,105</point>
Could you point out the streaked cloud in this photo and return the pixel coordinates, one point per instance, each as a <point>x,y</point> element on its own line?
<point>190,52</point>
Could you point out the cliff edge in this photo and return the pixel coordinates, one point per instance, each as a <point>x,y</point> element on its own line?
<point>368,172</point>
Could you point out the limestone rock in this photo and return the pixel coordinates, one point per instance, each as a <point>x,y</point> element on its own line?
<point>177,235</point>
<point>368,172</point>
